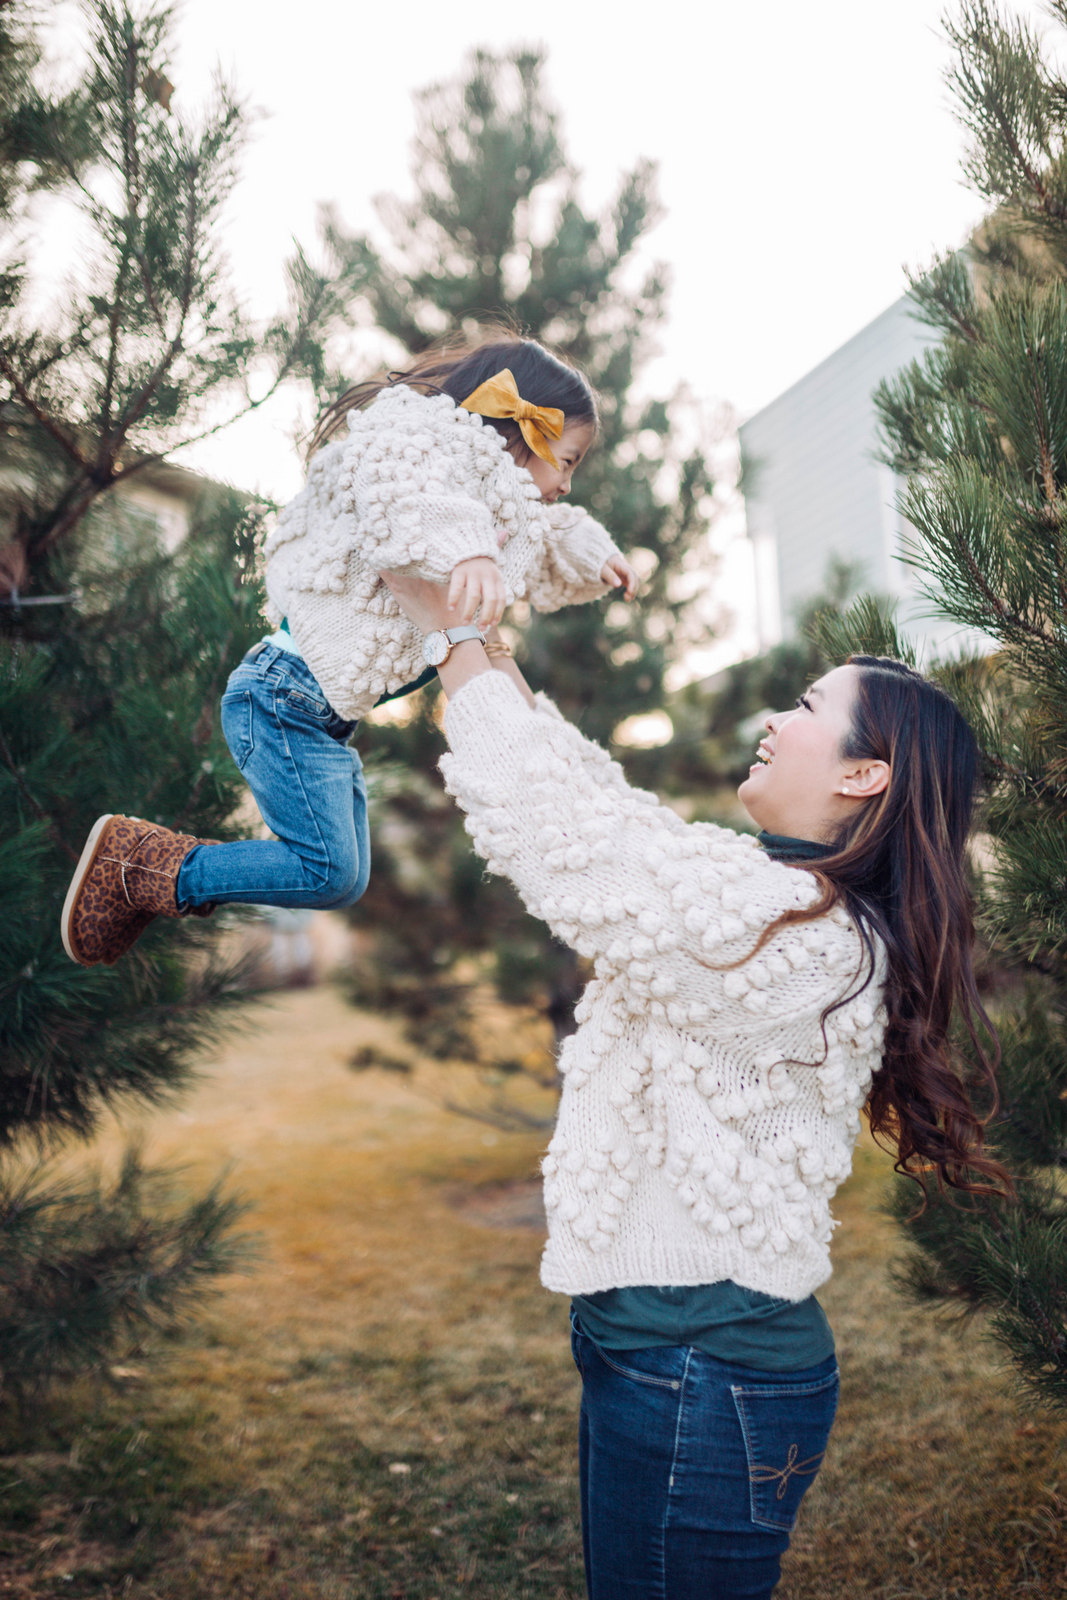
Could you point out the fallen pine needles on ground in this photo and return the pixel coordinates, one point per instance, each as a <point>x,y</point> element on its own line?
<point>385,1408</point>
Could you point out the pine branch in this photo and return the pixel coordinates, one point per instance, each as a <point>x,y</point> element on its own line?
<point>50,426</point>
<point>114,325</point>
<point>31,800</point>
<point>69,511</point>
<point>132,414</point>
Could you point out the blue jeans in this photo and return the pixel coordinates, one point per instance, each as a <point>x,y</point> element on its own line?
<point>692,1469</point>
<point>290,745</point>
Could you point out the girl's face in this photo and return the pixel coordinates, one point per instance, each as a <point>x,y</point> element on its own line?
<point>801,785</point>
<point>568,450</point>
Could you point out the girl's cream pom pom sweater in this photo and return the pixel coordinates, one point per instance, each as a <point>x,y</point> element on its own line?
<point>419,485</point>
<point>704,1123</point>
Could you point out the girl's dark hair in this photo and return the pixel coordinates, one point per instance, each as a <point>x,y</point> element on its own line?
<point>899,868</point>
<point>457,367</point>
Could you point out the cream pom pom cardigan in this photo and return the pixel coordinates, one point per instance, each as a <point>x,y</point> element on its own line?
<point>419,485</point>
<point>704,1124</point>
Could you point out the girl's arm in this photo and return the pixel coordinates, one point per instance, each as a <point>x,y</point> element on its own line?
<point>573,560</point>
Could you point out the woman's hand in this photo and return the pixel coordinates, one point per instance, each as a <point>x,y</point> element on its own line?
<point>422,602</point>
<point>427,606</point>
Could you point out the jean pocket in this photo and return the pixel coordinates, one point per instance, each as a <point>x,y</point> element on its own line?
<point>304,702</point>
<point>625,1369</point>
<point>785,1428</point>
<point>236,712</point>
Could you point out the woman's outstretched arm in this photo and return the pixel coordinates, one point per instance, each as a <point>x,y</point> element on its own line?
<point>667,906</point>
<point>507,667</point>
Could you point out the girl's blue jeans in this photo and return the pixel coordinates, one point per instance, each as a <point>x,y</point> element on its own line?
<point>692,1469</point>
<point>290,745</point>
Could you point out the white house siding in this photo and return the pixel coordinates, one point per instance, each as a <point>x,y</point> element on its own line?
<point>814,486</point>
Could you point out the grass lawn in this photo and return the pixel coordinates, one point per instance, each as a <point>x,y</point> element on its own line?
<point>385,1408</point>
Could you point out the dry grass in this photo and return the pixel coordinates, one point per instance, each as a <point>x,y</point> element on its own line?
<point>386,1408</point>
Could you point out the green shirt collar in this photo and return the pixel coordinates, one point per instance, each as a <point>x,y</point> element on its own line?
<point>784,848</point>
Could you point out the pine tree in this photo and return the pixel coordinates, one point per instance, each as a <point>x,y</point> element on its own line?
<point>112,657</point>
<point>496,231</point>
<point>980,426</point>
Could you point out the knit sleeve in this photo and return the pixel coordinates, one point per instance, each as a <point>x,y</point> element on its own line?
<point>413,478</point>
<point>662,906</point>
<point>574,551</point>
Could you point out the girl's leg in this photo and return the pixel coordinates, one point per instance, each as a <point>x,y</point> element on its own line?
<point>288,743</point>
<point>362,834</point>
<point>693,1471</point>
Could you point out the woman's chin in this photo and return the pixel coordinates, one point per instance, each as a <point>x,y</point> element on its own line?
<point>748,792</point>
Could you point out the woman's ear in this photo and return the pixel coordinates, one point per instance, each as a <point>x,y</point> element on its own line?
<point>868,779</point>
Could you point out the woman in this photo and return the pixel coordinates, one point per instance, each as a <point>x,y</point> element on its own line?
<point>749,998</point>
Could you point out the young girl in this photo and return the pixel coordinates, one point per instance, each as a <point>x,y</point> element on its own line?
<point>452,471</point>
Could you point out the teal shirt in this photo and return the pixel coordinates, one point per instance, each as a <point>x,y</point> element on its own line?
<point>724,1319</point>
<point>284,640</point>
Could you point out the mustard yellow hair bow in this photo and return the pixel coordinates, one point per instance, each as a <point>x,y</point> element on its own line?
<point>499,397</point>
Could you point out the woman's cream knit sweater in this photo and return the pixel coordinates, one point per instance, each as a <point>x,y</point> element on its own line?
<point>418,485</point>
<point>704,1124</point>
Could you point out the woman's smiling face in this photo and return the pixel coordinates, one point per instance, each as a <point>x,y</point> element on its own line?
<point>800,783</point>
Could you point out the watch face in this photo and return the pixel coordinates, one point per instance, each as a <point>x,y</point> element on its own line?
<point>436,648</point>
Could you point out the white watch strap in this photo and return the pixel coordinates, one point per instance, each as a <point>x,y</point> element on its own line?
<point>467,631</point>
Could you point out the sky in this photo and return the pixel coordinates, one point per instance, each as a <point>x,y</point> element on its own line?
<point>807,153</point>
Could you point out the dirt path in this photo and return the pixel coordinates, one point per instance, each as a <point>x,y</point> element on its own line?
<point>385,1407</point>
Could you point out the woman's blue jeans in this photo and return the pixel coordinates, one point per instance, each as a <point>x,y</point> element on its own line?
<point>692,1469</point>
<point>290,745</point>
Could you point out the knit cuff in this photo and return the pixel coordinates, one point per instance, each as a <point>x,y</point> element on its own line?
<point>582,545</point>
<point>486,701</point>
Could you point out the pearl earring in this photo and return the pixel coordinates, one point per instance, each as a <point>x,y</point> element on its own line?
<point>844,788</point>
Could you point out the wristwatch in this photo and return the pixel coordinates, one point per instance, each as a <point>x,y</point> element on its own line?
<point>437,646</point>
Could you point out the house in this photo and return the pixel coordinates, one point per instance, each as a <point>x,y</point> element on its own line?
<point>815,489</point>
<point>159,500</point>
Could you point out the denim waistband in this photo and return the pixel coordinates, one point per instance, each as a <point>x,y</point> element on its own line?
<point>264,655</point>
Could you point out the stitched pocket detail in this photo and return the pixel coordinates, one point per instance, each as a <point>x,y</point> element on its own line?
<point>653,1380</point>
<point>785,1428</point>
<point>300,700</point>
<point>237,727</point>
<point>576,1344</point>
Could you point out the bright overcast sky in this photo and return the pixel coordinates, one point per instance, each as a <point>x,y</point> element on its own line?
<point>806,153</point>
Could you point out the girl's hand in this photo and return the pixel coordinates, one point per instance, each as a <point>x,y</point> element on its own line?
<point>618,572</point>
<point>476,583</point>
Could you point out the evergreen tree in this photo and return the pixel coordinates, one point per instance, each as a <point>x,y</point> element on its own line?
<point>112,657</point>
<point>980,426</point>
<point>715,722</point>
<point>496,231</point>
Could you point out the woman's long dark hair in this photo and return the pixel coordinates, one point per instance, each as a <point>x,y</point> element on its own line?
<point>458,366</point>
<point>899,868</point>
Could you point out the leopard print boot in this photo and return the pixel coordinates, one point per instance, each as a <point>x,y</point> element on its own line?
<point>125,878</point>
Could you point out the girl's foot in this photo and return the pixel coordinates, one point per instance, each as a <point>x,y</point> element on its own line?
<point>126,877</point>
